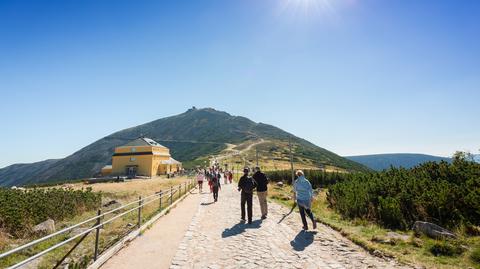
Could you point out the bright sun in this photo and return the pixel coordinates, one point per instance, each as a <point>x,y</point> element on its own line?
<point>307,7</point>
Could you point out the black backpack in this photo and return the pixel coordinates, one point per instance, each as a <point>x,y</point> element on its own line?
<point>248,185</point>
<point>215,181</point>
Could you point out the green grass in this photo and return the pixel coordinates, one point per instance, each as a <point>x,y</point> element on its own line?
<point>461,253</point>
<point>475,255</point>
<point>446,248</point>
<point>195,163</point>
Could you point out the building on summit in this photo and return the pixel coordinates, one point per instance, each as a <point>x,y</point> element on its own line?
<point>142,157</point>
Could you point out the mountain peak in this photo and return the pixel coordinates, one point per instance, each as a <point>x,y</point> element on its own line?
<point>206,111</point>
<point>195,134</point>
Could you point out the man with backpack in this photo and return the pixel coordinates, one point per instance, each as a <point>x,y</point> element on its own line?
<point>262,186</point>
<point>246,184</point>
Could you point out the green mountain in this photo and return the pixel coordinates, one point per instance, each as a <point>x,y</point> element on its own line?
<point>380,162</point>
<point>195,134</point>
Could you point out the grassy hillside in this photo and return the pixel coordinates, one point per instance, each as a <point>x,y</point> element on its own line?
<point>197,133</point>
<point>274,155</point>
<point>9,175</point>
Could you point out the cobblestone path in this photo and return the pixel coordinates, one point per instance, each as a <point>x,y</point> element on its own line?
<point>217,239</point>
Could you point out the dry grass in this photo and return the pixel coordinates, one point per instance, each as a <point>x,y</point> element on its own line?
<point>272,156</point>
<point>5,240</point>
<point>130,190</point>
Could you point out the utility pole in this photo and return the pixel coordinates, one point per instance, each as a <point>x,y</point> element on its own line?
<point>291,157</point>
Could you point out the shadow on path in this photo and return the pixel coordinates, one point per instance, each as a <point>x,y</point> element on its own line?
<point>240,228</point>
<point>302,240</point>
<point>207,203</point>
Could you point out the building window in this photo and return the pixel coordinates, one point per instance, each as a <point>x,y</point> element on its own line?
<point>132,159</point>
<point>133,149</point>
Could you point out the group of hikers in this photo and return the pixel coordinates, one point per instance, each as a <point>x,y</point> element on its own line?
<point>303,191</point>
<point>214,175</point>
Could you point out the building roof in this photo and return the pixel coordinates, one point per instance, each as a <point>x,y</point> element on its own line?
<point>108,166</point>
<point>143,141</point>
<point>171,161</point>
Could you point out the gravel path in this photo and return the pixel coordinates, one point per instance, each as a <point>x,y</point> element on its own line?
<point>216,239</point>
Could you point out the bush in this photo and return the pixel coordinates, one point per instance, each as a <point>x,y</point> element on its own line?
<point>390,213</point>
<point>318,178</point>
<point>444,248</point>
<point>21,210</point>
<point>472,230</point>
<point>443,193</point>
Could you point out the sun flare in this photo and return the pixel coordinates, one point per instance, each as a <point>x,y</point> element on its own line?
<point>307,8</point>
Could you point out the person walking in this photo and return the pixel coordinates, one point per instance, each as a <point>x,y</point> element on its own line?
<point>246,184</point>
<point>216,186</point>
<point>262,187</point>
<point>209,178</point>
<point>304,197</point>
<point>225,177</point>
<point>230,176</point>
<point>200,178</point>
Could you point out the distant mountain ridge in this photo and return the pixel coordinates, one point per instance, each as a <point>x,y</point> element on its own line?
<point>191,135</point>
<point>379,162</point>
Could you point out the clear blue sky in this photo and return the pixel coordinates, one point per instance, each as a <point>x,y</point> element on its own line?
<point>352,76</point>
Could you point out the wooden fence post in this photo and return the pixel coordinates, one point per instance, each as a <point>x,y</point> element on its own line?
<point>97,235</point>
<point>160,203</point>
<point>140,202</point>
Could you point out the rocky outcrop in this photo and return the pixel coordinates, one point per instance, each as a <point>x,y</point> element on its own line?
<point>45,227</point>
<point>432,230</point>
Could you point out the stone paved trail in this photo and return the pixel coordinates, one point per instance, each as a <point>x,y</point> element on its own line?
<point>216,239</point>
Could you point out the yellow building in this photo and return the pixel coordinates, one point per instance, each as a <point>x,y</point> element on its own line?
<point>143,157</point>
<point>106,170</point>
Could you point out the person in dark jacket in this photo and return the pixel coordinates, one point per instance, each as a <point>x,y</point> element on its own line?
<point>246,184</point>
<point>215,185</point>
<point>262,187</point>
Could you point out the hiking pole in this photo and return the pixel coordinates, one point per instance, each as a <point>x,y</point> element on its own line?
<point>290,212</point>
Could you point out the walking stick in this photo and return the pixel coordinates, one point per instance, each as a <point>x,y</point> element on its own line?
<point>291,210</point>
